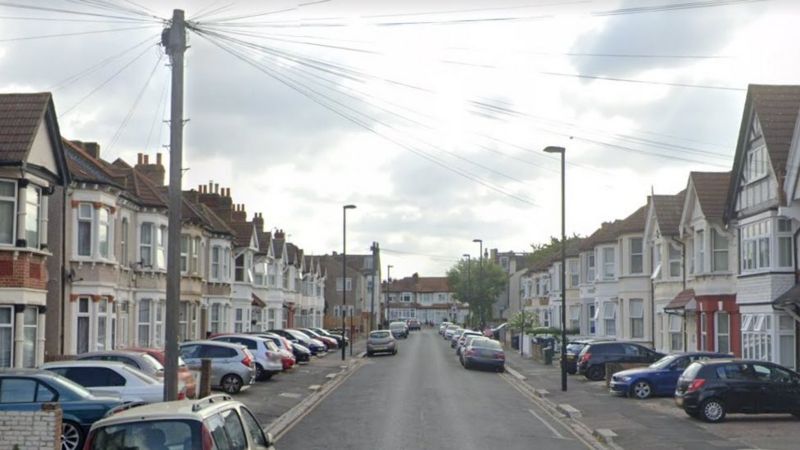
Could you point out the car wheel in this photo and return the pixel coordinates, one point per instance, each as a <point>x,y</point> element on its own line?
<point>231,384</point>
<point>596,373</point>
<point>260,374</point>
<point>642,390</point>
<point>369,354</point>
<point>71,436</point>
<point>501,369</point>
<point>466,365</point>
<point>712,410</point>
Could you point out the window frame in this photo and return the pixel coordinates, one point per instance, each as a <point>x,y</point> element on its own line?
<point>81,219</point>
<point>716,238</point>
<point>11,337</point>
<point>37,193</point>
<point>609,275</point>
<point>13,200</point>
<point>636,319</point>
<point>147,248</point>
<point>636,256</point>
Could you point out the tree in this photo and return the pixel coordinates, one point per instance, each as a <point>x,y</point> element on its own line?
<point>477,288</point>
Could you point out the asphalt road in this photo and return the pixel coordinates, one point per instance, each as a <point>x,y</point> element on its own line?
<point>423,399</point>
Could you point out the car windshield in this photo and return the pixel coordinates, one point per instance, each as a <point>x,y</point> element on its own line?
<point>151,434</point>
<point>486,343</point>
<point>664,362</point>
<point>379,334</point>
<point>147,379</point>
<point>65,384</point>
<point>396,325</point>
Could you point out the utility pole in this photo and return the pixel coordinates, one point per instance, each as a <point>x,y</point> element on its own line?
<point>388,290</point>
<point>375,283</point>
<point>173,38</point>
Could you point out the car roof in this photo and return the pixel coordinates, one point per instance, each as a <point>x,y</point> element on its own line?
<point>91,363</point>
<point>208,341</point>
<point>26,373</point>
<point>129,353</point>
<point>174,410</point>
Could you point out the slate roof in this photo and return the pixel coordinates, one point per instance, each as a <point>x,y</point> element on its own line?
<point>242,232</point>
<point>83,167</point>
<point>712,192</point>
<point>668,210</point>
<point>20,117</point>
<point>788,298</point>
<point>635,222</point>
<point>264,241</point>
<point>277,247</point>
<point>681,301</point>
<point>606,233</point>
<point>419,284</point>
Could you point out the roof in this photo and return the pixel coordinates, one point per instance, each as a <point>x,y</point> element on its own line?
<point>20,117</point>
<point>83,167</point>
<point>242,232</point>
<point>257,301</point>
<point>711,189</point>
<point>634,223</point>
<point>681,301</point>
<point>788,298</point>
<point>419,284</point>
<point>277,247</point>
<point>606,233</point>
<point>668,210</point>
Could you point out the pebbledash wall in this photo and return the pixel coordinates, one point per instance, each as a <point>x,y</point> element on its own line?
<point>31,429</point>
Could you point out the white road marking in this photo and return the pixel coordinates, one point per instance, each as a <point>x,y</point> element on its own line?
<point>555,432</point>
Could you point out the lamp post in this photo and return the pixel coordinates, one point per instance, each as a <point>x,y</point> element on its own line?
<point>344,273</point>
<point>562,151</point>
<point>388,290</point>
<point>480,278</point>
<point>469,285</point>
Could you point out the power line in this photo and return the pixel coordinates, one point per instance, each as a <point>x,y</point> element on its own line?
<point>160,108</point>
<point>118,133</point>
<point>68,11</point>
<point>400,252</point>
<point>629,80</point>
<point>673,7</point>
<point>77,33</point>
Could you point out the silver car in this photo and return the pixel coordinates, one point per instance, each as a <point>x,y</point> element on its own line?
<point>381,341</point>
<point>267,355</point>
<point>232,365</point>
<point>138,360</point>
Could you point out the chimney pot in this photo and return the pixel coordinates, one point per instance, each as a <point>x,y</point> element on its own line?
<point>216,188</point>
<point>139,158</point>
<point>158,158</point>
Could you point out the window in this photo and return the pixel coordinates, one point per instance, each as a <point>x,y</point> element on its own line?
<point>556,277</point>
<point>656,262</point>
<point>590,267</point>
<point>637,318</point>
<point>185,240</point>
<point>575,317</point>
<point>226,264</point>
<point>592,317</point>
<point>8,208</point>
<point>610,318</point>
<point>195,265</point>
<point>183,315</point>
<point>234,429</point>
<point>215,254</point>
<point>158,328</point>
<point>756,164</point>
<point>30,327</point>
<point>719,248</point>
<point>32,216</point>
<point>83,325</point>
<point>103,233</point>
<point>675,261</point>
<point>238,271</point>
<point>85,219</point>
<point>146,245</point>
<point>723,327</point>
<point>609,269</point>
<point>253,429</point>
<point>786,341</point>
<point>17,390</point>
<point>784,236</point>
<point>637,255</point>
<point>703,332</point>
<point>755,251</point>
<point>271,319</point>
<point>123,243</point>
<point>6,335</point>
<point>102,324</point>
<point>675,332</point>
<point>143,322</point>
<point>349,285</point>
<point>215,318</point>
<point>238,323</point>
<point>700,244</point>
<point>161,247</point>
<point>757,336</point>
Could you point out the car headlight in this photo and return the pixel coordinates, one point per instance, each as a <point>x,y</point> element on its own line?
<point>625,378</point>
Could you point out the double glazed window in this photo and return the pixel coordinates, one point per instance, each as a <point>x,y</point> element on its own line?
<point>675,261</point>
<point>637,318</point>
<point>610,318</point>
<point>85,221</point>
<point>609,263</point>
<point>719,250</point>
<point>146,245</point>
<point>8,208</point>
<point>758,239</point>
<point>32,215</point>
<point>216,252</point>
<point>675,332</point>
<point>6,336</point>
<point>637,256</point>
<point>94,231</point>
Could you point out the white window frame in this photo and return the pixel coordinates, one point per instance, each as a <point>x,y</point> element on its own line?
<point>13,200</point>
<point>718,238</point>
<point>704,332</point>
<point>784,243</point>
<point>186,242</point>
<point>215,318</point>
<point>675,256</point>
<point>146,247</point>
<point>675,330</point>
<point>699,247</point>
<point>216,254</point>
<point>226,264</point>
<point>610,318</point>
<point>609,267</point>
<point>86,219</point>
<point>123,242</point>
<point>37,205</point>
<point>593,313</point>
<point>158,323</point>
<point>636,256</point>
<point>636,317</point>
<point>717,332</point>
<point>29,354</point>
<point>194,265</point>
<point>11,337</point>
<point>161,247</point>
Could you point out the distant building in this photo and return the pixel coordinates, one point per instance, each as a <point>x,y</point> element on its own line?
<point>427,299</point>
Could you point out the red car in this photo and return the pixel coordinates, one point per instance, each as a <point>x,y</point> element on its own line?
<point>184,374</point>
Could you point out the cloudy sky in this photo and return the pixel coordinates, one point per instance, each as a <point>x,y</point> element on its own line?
<point>429,115</point>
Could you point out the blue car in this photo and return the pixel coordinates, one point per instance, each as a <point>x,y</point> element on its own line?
<point>659,378</point>
<point>27,389</point>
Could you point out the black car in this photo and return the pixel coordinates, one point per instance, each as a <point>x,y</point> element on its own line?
<point>711,389</point>
<point>593,357</point>
<point>574,348</point>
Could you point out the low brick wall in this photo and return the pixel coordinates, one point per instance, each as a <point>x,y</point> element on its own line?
<point>31,429</point>
<point>612,368</point>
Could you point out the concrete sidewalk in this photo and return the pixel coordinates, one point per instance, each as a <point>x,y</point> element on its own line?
<point>649,424</point>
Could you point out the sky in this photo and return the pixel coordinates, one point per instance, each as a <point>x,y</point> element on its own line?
<point>429,116</point>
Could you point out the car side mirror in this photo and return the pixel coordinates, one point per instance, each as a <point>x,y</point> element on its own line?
<point>270,439</point>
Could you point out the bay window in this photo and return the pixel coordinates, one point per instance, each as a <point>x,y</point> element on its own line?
<point>719,248</point>
<point>610,318</point>
<point>146,245</point>
<point>85,220</point>
<point>637,255</point>
<point>609,263</point>
<point>767,244</point>
<point>8,208</point>
<point>6,336</point>
<point>637,318</point>
<point>32,215</point>
<point>215,263</point>
<point>30,326</point>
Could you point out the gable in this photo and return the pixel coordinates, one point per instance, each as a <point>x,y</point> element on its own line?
<point>42,152</point>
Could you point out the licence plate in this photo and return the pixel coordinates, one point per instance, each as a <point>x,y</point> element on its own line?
<point>679,401</point>
<point>570,358</point>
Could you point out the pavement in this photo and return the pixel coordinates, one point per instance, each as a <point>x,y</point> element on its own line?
<point>422,398</point>
<point>272,399</point>
<point>653,423</point>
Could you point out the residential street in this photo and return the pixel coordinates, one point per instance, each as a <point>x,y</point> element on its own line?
<point>423,398</point>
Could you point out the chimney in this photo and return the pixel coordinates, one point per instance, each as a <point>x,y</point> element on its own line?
<point>239,214</point>
<point>279,234</point>
<point>258,221</point>
<point>92,148</point>
<point>154,172</point>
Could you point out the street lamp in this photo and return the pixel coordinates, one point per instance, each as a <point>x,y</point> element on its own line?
<point>480,276</point>
<point>388,284</point>
<point>469,285</point>
<point>344,274</point>
<point>562,151</point>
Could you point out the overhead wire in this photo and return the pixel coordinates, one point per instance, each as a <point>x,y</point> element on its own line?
<point>402,252</point>
<point>160,109</point>
<point>132,110</point>
<point>77,33</point>
<point>71,12</point>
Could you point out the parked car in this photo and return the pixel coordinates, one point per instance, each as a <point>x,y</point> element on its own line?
<point>574,348</point>
<point>338,337</point>
<point>212,422</point>
<point>413,324</point>
<point>659,378</point>
<point>330,343</point>
<point>448,332</point>
<point>288,360</point>
<point>484,353</point>
<point>267,357</point>
<point>467,343</point>
<point>314,346</point>
<point>399,329</point>
<point>184,374</point>
<point>442,327</point>
<point>463,338</point>
<point>593,357</point>
<point>456,335</point>
<point>381,341</point>
<point>232,365</point>
<point>713,388</point>
<point>109,377</point>
<point>25,390</point>
<point>134,358</point>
